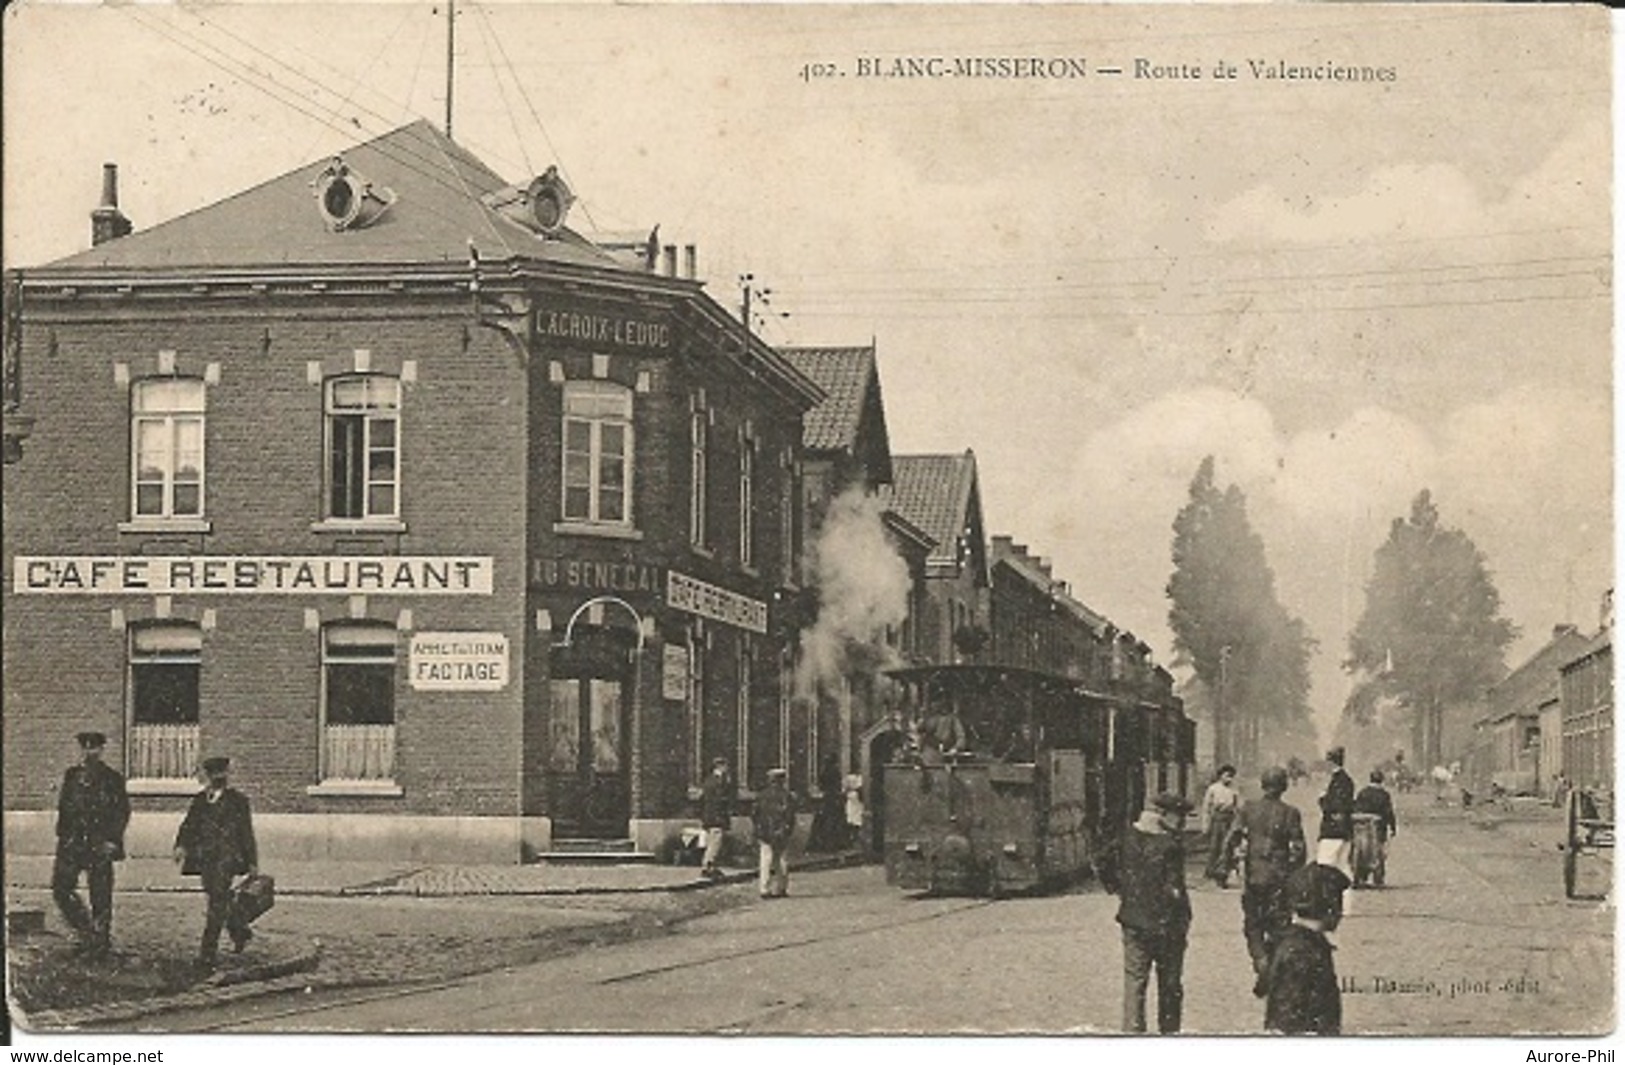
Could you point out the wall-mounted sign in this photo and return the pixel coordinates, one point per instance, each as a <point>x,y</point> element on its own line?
<point>674,672</point>
<point>718,604</point>
<point>459,661</point>
<point>252,575</point>
<point>586,575</point>
<point>590,328</point>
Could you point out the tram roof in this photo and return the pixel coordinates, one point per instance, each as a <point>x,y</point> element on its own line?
<point>1018,675</point>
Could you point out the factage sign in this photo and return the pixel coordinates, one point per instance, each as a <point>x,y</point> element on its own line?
<point>253,575</point>
<point>459,661</point>
<point>718,604</point>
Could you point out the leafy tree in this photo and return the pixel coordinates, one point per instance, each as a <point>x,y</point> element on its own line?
<point>1243,645</point>
<point>1432,632</point>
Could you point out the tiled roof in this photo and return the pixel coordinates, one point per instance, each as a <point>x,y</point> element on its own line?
<point>1522,690</point>
<point>933,492</point>
<point>845,375</point>
<point>436,213</point>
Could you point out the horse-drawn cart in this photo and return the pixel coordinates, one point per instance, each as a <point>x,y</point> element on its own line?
<point>1589,818</point>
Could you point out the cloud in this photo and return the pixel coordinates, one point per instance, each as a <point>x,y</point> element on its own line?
<point>1430,200</point>
<point>1526,474</point>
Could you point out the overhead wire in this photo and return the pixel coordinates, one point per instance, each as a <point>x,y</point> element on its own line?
<point>395,152</point>
<point>546,137</point>
<point>361,78</point>
<point>502,91</point>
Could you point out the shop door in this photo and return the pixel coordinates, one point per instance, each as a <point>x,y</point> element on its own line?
<point>590,794</point>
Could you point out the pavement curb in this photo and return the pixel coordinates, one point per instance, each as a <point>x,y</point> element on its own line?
<point>233,986</point>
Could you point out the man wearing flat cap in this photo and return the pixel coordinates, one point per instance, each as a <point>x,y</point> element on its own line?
<point>1155,912</point>
<point>216,842</point>
<point>1304,998</point>
<point>716,814</point>
<point>775,822</point>
<point>92,813</point>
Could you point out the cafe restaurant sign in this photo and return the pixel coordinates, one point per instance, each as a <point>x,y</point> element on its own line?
<point>718,604</point>
<point>252,575</point>
<point>459,661</point>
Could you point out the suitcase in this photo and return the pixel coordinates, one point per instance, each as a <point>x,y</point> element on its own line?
<point>253,896</point>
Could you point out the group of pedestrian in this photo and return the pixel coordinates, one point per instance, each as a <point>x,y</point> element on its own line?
<point>774,820</point>
<point>215,842</point>
<point>1289,903</point>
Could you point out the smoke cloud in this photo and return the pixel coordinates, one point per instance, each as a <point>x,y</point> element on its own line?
<point>863,587</point>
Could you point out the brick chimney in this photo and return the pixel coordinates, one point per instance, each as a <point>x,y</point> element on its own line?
<point>107,222</point>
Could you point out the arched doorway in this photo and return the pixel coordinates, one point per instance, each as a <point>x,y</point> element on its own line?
<point>880,745</point>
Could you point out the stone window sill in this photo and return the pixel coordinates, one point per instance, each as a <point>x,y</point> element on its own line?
<point>355,789</point>
<point>608,532</point>
<point>360,526</point>
<point>150,526</point>
<point>162,786</point>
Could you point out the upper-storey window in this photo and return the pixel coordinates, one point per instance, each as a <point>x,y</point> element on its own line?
<point>166,432</point>
<point>699,431</point>
<point>364,447</point>
<point>598,453</point>
<point>747,502</point>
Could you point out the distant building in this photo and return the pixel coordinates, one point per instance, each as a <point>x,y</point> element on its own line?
<point>1036,623</point>
<point>1587,696</point>
<point>1508,749</point>
<point>941,496</point>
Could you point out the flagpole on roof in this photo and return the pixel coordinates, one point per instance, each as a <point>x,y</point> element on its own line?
<point>451,36</point>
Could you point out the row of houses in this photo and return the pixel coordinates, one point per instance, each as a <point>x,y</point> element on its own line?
<point>1551,719</point>
<point>460,532</point>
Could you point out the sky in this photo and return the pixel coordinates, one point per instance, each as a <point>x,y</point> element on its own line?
<point>1346,291</point>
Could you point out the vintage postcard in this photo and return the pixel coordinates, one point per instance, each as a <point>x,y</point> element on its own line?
<point>808,520</point>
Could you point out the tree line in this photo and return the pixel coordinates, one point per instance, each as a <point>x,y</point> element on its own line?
<point>1431,633</point>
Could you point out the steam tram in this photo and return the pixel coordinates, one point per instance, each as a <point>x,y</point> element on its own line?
<point>1015,779</point>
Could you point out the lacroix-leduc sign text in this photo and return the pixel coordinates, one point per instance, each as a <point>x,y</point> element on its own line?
<point>459,661</point>
<point>252,575</point>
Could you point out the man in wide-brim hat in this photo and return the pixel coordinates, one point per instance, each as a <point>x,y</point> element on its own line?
<point>216,842</point>
<point>92,812</point>
<point>1155,913</point>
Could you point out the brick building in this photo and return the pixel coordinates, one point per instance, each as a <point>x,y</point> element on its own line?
<point>941,496</point>
<point>1036,623</point>
<point>1507,751</point>
<point>457,532</point>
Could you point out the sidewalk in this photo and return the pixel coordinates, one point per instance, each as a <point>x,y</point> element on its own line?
<point>341,879</point>
<point>140,980</point>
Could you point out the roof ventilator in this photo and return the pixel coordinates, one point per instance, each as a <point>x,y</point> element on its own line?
<point>347,200</point>
<point>542,206</point>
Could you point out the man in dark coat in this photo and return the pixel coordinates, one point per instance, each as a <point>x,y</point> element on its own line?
<point>1336,816</point>
<point>775,823</point>
<point>216,842</point>
<point>1269,836</point>
<point>1155,912</point>
<point>92,813</point>
<point>1304,998</point>
<point>716,814</point>
<point>1375,800</point>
